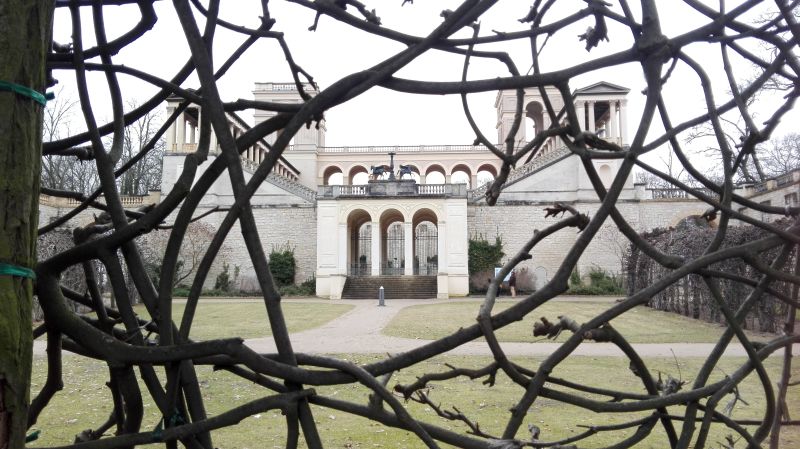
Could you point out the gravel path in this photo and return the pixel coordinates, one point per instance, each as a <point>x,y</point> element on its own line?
<point>359,332</point>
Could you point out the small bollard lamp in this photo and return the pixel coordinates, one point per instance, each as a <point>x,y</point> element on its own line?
<point>380,297</point>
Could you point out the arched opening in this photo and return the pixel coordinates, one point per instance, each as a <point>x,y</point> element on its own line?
<point>486,174</point>
<point>461,174</point>
<point>534,113</point>
<point>606,175</point>
<point>392,243</point>
<point>426,243</point>
<point>435,175</point>
<point>333,176</point>
<point>358,175</point>
<point>359,227</point>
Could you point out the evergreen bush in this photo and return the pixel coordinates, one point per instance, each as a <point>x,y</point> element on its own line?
<point>282,265</point>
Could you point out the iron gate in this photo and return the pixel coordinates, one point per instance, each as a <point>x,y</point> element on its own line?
<point>426,249</point>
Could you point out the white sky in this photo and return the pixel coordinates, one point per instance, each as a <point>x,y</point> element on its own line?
<point>382,117</point>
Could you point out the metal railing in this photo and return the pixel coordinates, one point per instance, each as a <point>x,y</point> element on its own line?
<point>367,190</point>
<point>430,269</point>
<point>383,149</point>
<point>390,270</point>
<point>676,193</point>
<point>360,269</point>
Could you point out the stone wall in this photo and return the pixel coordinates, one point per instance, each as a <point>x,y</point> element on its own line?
<point>515,224</point>
<point>279,227</point>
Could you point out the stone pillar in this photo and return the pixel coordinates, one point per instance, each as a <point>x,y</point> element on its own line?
<point>441,247</point>
<point>192,138</point>
<point>591,128</point>
<point>375,258</point>
<point>582,116</point>
<point>181,132</point>
<point>623,128</point>
<point>408,250</point>
<point>199,123</point>
<point>421,178</point>
<point>343,247</point>
<point>612,122</point>
<point>473,181</point>
<point>447,179</point>
<point>171,130</point>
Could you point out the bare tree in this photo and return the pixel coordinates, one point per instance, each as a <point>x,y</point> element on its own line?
<point>288,378</point>
<point>781,155</point>
<point>144,175</point>
<point>76,174</point>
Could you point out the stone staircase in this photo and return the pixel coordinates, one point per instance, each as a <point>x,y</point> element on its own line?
<point>394,287</point>
<point>283,182</point>
<point>518,174</point>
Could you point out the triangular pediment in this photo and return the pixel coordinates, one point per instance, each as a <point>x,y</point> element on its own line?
<point>602,88</point>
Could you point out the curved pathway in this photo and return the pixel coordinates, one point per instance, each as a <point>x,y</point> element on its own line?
<point>358,331</point>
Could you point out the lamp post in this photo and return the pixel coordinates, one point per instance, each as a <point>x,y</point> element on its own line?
<point>391,165</point>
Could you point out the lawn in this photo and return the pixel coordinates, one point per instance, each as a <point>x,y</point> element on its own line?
<point>640,325</point>
<point>85,381</point>
<point>249,319</point>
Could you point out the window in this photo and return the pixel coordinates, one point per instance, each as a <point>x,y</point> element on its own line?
<point>765,216</point>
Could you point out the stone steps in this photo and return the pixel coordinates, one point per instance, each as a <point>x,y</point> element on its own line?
<point>394,287</point>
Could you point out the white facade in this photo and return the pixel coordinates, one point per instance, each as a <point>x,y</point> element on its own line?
<point>422,226</point>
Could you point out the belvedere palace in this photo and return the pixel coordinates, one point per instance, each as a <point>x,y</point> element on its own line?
<point>361,216</point>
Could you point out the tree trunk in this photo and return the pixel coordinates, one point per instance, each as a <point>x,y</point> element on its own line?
<point>24,43</point>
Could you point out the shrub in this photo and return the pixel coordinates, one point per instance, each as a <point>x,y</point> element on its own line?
<point>282,265</point>
<point>307,288</point>
<point>600,283</point>
<point>484,255</point>
<point>223,281</point>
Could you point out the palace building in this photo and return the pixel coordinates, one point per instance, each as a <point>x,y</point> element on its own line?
<point>353,228</point>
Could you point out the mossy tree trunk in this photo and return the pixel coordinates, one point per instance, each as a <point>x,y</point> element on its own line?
<point>24,43</point>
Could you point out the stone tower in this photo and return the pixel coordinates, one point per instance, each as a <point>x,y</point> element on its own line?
<point>302,153</point>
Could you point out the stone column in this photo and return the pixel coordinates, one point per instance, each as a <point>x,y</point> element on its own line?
<point>441,247</point>
<point>591,128</point>
<point>171,130</point>
<point>623,139</point>
<point>473,181</point>
<point>408,250</point>
<point>199,123</point>
<point>181,132</point>
<point>582,111</point>
<point>192,138</point>
<point>421,178</point>
<point>376,248</point>
<point>612,121</point>
<point>343,241</point>
<point>447,179</point>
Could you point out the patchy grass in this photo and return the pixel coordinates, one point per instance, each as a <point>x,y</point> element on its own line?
<point>640,325</point>
<point>249,319</point>
<point>85,384</point>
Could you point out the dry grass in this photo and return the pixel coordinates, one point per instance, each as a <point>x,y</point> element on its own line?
<point>640,325</point>
<point>249,319</point>
<point>84,382</point>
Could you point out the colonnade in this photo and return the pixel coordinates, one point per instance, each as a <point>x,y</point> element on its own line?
<point>378,250</point>
<point>615,123</point>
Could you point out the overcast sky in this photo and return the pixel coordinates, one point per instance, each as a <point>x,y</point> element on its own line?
<point>382,117</point>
